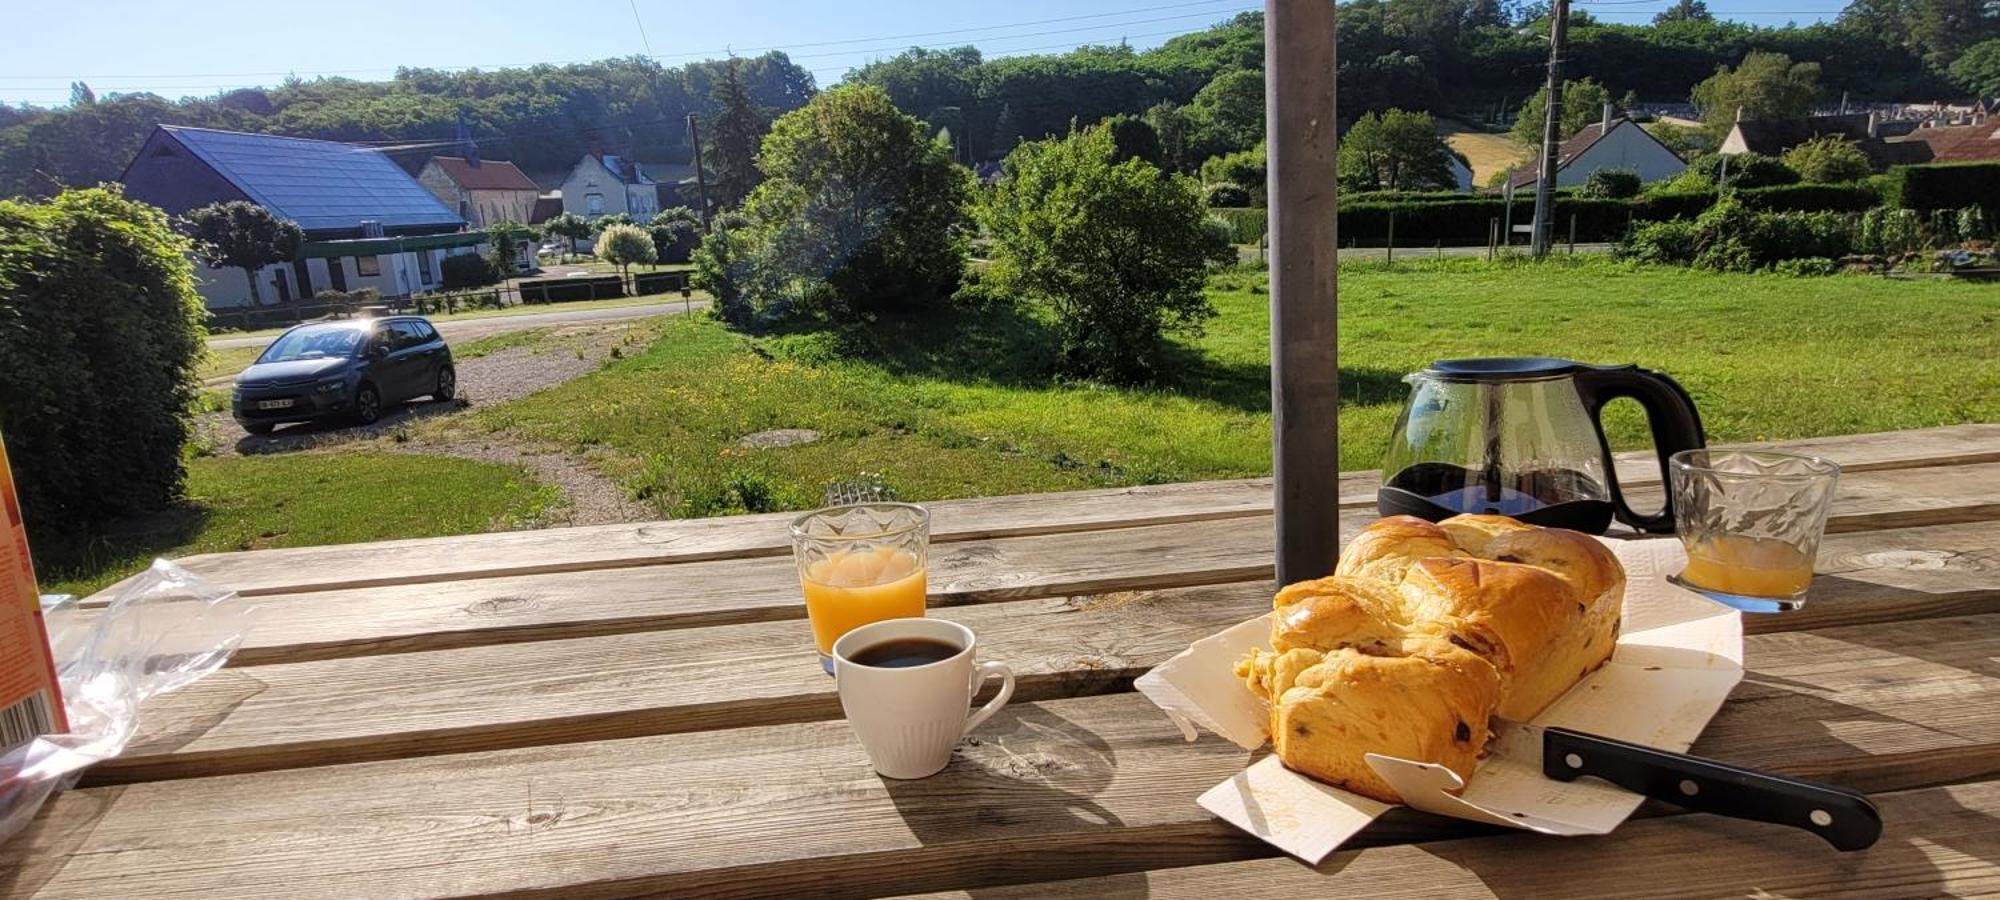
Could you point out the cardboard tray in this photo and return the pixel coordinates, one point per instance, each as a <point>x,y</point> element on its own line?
<point>1678,658</point>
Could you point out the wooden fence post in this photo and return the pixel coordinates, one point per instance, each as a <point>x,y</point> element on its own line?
<point>1304,232</point>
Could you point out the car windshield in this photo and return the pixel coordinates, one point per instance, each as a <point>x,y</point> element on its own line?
<point>319,342</point>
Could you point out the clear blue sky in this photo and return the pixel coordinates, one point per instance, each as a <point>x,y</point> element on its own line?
<point>197,47</point>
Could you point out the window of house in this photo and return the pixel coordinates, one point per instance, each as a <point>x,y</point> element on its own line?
<point>336,272</point>
<point>593,204</point>
<point>465,209</point>
<point>368,265</point>
<point>424,266</point>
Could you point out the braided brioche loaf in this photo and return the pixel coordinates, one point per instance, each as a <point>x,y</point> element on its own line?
<point>1423,633</point>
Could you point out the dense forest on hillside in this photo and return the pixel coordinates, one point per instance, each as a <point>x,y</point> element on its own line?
<point>1202,91</point>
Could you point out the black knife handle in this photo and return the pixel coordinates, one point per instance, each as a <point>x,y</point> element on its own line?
<point>1844,818</point>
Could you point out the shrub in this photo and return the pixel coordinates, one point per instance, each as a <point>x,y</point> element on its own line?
<point>1119,250</point>
<point>1661,243</point>
<point>1615,184</point>
<point>674,240</point>
<point>1828,158</point>
<point>1810,266</point>
<point>1890,232</point>
<point>1856,196</point>
<point>1972,224</point>
<point>623,245</point>
<point>1778,236</point>
<point>721,267</point>
<point>100,334</point>
<point>1225,194</point>
<point>860,212</point>
<point>1246,225</point>
<point>1244,168</point>
<point>1743,170</point>
<point>467,270</point>
<point>1944,186</point>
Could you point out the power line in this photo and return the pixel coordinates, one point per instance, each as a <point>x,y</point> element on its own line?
<point>699,53</point>
<point>636,20</point>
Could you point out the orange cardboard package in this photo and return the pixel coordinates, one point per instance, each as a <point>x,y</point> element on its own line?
<point>30,699</point>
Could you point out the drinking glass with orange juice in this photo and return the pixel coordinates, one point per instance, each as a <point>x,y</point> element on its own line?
<point>1751,521</point>
<point>861,563</point>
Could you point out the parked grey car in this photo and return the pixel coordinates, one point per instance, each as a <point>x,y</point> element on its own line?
<point>353,369</point>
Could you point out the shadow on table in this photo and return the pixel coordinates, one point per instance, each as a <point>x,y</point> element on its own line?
<point>1023,776</point>
<point>35,856</point>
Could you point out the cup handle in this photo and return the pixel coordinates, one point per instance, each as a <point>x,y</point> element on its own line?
<point>980,673</point>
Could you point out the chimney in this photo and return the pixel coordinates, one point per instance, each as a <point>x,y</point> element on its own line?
<point>1606,129</point>
<point>1873,124</point>
<point>1739,112</point>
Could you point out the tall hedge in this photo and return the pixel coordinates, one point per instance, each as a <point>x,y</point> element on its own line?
<point>100,333</point>
<point>1944,186</point>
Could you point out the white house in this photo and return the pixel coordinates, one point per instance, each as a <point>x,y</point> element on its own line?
<point>605,185</point>
<point>367,223</point>
<point>1614,142</point>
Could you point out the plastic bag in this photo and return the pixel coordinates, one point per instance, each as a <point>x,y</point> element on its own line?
<point>163,631</point>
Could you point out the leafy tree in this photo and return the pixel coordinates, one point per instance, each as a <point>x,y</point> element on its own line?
<point>722,268</point>
<point>1764,86</point>
<point>505,237</point>
<point>1229,112</point>
<point>571,228</point>
<point>674,240</point>
<point>1583,104</point>
<point>1938,31</point>
<point>1685,140</point>
<point>1978,69</point>
<point>1612,183</point>
<point>859,213</point>
<point>1828,158</point>
<point>1118,249</point>
<point>100,335</point>
<point>599,224</point>
<point>623,245</point>
<point>1134,138</point>
<point>1246,169</point>
<point>1684,11</point>
<point>1175,133</point>
<point>243,235</point>
<point>80,94</point>
<point>732,140</point>
<point>1395,151</point>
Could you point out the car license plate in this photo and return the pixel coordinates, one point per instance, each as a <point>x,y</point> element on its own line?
<point>275,404</point>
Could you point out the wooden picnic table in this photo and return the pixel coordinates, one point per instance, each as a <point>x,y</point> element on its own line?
<point>636,709</point>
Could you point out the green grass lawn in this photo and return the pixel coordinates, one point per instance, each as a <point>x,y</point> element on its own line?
<point>959,403</point>
<point>303,499</point>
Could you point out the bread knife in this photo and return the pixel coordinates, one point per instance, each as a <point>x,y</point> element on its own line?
<point>1842,817</point>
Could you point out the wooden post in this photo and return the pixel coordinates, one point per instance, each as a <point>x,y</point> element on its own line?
<point>1572,234</point>
<point>1389,253</point>
<point>1492,237</point>
<point>1305,371</point>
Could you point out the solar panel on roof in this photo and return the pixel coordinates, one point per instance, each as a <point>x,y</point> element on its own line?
<point>318,184</point>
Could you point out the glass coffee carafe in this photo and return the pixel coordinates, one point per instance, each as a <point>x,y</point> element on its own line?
<point>1520,437</point>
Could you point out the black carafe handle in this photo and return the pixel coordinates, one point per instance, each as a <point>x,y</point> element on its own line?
<point>1669,410</point>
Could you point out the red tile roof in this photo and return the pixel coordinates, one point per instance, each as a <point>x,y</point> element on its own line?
<point>1962,143</point>
<point>489,175</point>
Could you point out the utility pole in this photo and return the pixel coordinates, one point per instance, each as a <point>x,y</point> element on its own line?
<point>700,178</point>
<point>1545,185</point>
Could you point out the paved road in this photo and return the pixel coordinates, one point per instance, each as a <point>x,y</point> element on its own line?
<point>468,329</point>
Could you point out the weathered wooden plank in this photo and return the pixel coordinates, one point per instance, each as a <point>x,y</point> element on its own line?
<point>651,543</point>
<point>660,682</point>
<point>401,618</point>
<point>657,682</point>
<point>1939,842</point>
<point>1053,789</point>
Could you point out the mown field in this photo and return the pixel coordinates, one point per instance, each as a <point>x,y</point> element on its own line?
<point>960,403</point>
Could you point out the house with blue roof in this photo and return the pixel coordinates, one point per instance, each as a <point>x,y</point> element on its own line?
<point>367,223</point>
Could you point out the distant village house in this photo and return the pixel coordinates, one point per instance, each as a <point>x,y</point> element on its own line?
<point>1613,142</point>
<point>605,185</point>
<point>483,192</point>
<point>367,223</point>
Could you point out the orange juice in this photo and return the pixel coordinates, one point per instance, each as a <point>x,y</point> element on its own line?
<point>1752,567</point>
<point>851,588</point>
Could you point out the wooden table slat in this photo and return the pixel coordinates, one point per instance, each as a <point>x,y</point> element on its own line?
<point>1939,842</point>
<point>407,618</point>
<point>1106,779</point>
<point>658,682</point>
<point>651,543</point>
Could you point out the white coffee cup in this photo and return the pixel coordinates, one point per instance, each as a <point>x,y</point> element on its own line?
<point>910,718</point>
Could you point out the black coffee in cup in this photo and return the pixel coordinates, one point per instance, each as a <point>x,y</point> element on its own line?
<point>904,653</point>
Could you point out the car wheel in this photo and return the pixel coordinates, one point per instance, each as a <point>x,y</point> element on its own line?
<point>447,384</point>
<point>367,405</point>
<point>259,427</point>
